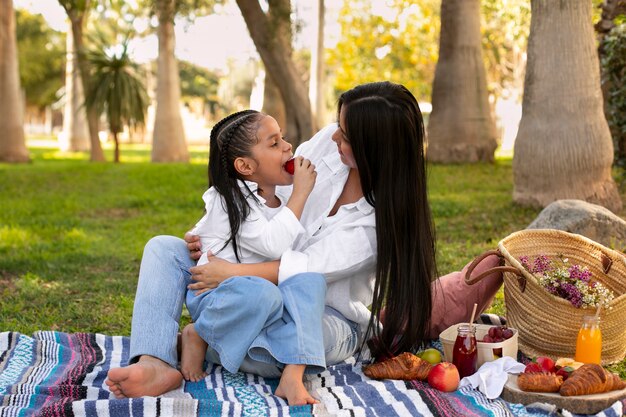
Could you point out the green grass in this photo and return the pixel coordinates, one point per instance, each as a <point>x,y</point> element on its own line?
<point>72,232</point>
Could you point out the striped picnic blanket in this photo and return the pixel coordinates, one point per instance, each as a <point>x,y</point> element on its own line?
<point>61,374</point>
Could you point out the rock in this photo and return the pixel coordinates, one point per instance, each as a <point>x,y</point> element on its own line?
<point>590,220</point>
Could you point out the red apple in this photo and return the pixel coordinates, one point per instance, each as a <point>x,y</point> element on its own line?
<point>444,376</point>
<point>533,367</point>
<point>546,363</point>
<point>289,166</point>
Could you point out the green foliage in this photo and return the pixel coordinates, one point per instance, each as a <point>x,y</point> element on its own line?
<point>399,46</point>
<point>117,88</point>
<point>41,54</point>
<point>505,26</point>
<point>614,80</point>
<point>199,82</point>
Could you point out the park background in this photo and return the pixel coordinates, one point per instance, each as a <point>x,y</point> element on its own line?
<point>73,224</point>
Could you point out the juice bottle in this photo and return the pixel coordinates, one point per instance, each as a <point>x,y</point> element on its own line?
<point>589,342</point>
<point>465,351</point>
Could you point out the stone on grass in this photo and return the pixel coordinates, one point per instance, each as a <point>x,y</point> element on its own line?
<point>590,220</point>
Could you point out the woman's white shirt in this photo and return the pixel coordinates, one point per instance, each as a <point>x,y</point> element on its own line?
<point>265,235</point>
<point>343,246</point>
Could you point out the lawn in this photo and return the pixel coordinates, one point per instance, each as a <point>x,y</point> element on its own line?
<point>72,232</point>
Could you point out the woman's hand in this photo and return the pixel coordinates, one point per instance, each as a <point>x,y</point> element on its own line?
<point>208,276</point>
<point>194,245</point>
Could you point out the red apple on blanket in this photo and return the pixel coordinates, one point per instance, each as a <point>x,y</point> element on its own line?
<point>444,376</point>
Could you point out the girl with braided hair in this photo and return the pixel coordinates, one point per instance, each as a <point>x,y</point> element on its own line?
<point>246,220</point>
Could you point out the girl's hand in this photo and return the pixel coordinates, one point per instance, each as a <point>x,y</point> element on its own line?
<point>209,276</point>
<point>194,245</point>
<point>303,177</point>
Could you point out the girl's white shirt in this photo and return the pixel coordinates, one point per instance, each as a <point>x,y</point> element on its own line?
<point>343,246</point>
<point>264,236</point>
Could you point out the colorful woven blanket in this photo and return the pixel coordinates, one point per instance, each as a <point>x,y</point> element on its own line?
<point>61,374</point>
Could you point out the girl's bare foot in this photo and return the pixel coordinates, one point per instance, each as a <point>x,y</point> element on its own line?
<point>192,354</point>
<point>148,377</point>
<point>291,387</point>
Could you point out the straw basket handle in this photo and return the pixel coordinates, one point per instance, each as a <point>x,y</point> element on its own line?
<point>469,280</point>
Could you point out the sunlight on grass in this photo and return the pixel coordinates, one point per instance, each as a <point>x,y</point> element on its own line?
<point>15,237</point>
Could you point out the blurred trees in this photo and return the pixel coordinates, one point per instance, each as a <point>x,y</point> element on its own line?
<point>12,143</point>
<point>275,51</point>
<point>117,90</point>
<point>563,147</point>
<point>398,44</point>
<point>78,12</point>
<point>461,127</point>
<point>40,52</point>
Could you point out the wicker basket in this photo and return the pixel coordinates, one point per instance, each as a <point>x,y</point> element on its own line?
<point>549,325</point>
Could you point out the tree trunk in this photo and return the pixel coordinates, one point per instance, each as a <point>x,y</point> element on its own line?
<point>116,154</point>
<point>12,142</point>
<point>563,148</point>
<point>77,20</point>
<point>168,137</point>
<point>316,81</point>
<point>273,103</point>
<point>275,53</point>
<point>75,128</point>
<point>461,127</point>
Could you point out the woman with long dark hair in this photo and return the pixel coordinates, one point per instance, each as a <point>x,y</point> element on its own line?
<point>368,230</point>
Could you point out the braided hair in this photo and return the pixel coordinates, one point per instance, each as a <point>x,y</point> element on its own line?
<point>232,138</point>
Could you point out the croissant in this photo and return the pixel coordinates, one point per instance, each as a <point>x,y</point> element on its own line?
<point>404,366</point>
<point>591,379</point>
<point>539,382</point>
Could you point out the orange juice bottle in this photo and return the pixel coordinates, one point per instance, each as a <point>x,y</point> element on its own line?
<point>589,342</point>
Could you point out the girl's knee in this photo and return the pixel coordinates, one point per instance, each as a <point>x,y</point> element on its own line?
<point>312,281</point>
<point>164,242</point>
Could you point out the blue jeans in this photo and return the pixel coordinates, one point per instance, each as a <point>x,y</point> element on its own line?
<point>272,324</point>
<point>161,290</point>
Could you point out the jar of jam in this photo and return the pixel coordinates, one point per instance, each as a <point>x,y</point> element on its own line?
<point>465,351</point>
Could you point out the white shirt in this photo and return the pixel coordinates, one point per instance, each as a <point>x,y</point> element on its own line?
<point>263,236</point>
<point>343,246</point>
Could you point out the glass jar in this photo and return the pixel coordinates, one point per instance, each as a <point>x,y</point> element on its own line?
<point>465,351</point>
<point>589,342</point>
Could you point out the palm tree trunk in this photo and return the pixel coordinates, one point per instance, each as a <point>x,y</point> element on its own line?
<point>116,155</point>
<point>76,20</point>
<point>75,128</point>
<point>168,140</point>
<point>563,148</point>
<point>12,142</point>
<point>461,127</point>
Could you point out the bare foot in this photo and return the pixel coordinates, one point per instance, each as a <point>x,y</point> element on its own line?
<point>192,354</point>
<point>148,377</point>
<point>291,387</point>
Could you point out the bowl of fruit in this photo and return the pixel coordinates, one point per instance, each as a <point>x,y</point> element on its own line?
<point>493,342</point>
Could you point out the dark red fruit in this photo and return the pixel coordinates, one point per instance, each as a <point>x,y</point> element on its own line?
<point>507,333</point>
<point>289,166</point>
<point>533,367</point>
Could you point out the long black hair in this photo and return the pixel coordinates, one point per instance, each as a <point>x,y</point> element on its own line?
<point>232,138</point>
<point>384,126</point>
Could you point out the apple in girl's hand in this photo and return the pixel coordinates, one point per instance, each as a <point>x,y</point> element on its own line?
<point>289,167</point>
<point>547,364</point>
<point>444,376</point>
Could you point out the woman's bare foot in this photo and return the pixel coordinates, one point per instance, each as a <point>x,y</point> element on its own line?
<point>291,387</point>
<point>148,377</point>
<point>192,354</point>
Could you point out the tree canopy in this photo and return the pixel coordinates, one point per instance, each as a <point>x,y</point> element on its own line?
<point>41,54</point>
